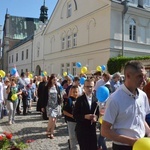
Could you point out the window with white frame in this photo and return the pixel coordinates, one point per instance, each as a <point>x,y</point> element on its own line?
<point>63,43</point>
<point>27,53</point>
<point>22,55</point>
<point>12,58</point>
<point>73,68</point>
<point>62,69</point>
<point>16,57</point>
<point>68,68</point>
<point>69,10</point>
<point>74,39</point>
<point>69,41</point>
<point>132,30</point>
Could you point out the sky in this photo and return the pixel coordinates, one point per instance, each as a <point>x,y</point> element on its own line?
<point>24,8</point>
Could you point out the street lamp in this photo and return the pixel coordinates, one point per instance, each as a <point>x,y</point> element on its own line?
<point>125,9</point>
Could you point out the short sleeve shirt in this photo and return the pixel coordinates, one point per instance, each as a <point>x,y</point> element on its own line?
<point>126,112</point>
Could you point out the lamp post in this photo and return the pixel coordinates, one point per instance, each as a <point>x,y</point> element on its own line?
<point>125,9</point>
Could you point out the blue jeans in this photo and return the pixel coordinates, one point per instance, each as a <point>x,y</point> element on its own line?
<point>101,141</point>
<point>12,109</point>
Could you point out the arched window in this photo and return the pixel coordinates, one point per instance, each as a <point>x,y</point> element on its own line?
<point>132,30</point>
<point>69,41</point>
<point>63,43</point>
<point>69,9</point>
<point>75,40</point>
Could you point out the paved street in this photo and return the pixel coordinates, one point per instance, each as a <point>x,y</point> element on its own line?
<point>33,127</point>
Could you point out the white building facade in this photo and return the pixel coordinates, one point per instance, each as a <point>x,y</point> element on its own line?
<point>89,32</point>
<point>21,56</point>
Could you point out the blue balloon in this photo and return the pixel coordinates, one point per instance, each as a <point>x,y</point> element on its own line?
<point>82,80</point>
<point>103,67</point>
<point>102,93</point>
<point>78,64</point>
<point>13,71</point>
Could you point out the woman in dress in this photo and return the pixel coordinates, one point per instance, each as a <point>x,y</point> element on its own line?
<point>51,101</point>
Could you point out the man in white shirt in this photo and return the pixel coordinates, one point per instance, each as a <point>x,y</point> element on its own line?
<point>27,79</point>
<point>124,119</point>
<point>105,81</point>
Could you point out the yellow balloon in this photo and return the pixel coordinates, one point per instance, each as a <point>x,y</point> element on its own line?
<point>2,73</point>
<point>14,97</point>
<point>45,73</point>
<point>98,68</point>
<point>100,119</point>
<point>30,76</point>
<point>84,69</point>
<point>142,144</point>
<point>65,74</point>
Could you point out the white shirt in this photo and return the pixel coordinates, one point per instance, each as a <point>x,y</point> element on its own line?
<point>27,81</point>
<point>1,92</point>
<point>89,99</point>
<point>126,112</point>
<point>99,83</point>
<point>4,91</point>
<point>80,90</point>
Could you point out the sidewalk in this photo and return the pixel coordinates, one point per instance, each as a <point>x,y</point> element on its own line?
<point>33,127</point>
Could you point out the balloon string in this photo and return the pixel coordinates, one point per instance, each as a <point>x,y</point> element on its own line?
<point>95,109</point>
<point>94,113</point>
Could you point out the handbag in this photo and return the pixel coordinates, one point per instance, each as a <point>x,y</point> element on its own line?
<point>59,110</point>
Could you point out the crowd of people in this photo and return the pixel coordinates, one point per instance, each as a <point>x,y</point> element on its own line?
<point>124,111</point>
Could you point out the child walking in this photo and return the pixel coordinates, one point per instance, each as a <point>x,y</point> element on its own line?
<point>68,112</point>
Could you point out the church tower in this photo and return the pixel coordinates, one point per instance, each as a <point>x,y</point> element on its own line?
<point>43,14</point>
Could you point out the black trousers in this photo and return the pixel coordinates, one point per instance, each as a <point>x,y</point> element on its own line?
<point>87,139</point>
<point>121,147</point>
<point>18,107</point>
<point>24,101</point>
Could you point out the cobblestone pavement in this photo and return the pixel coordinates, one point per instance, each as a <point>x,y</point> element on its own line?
<point>33,127</point>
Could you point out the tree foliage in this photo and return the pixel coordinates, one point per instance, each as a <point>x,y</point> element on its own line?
<point>116,64</point>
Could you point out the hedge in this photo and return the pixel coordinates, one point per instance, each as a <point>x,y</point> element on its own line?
<point>116,64</point>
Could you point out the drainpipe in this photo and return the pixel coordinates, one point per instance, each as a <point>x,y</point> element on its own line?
<point>125,9</point>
